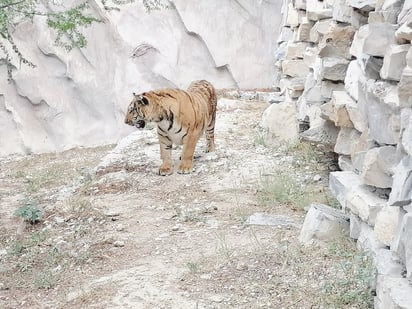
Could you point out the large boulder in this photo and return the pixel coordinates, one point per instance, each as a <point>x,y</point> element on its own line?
<point>280,122</point>
<point>323,224</point>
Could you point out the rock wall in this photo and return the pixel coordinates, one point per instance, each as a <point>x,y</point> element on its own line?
<point>79,98</point>
<point>347,66</point>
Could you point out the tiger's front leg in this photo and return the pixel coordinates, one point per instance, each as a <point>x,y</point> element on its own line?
<point>186,162</point>
<point>166,155</point>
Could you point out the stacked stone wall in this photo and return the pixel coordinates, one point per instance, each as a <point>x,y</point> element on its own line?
<point>352,62</point>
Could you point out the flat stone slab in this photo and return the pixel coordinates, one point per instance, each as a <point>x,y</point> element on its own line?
<point>264,219</point>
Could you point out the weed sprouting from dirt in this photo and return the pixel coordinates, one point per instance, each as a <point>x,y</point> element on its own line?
<point>259,139</point>
<point>294,185</point>
<point>223,249</point>
<point>283,190</point>
<point>193,266</point>
<point>29,212</point>
<point>354,275</point>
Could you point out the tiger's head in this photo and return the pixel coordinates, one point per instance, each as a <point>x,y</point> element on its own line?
<point>137,111</point>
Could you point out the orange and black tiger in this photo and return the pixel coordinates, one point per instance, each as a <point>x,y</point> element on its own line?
<point>181,118</point>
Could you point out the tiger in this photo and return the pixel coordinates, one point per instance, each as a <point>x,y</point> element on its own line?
<point>181,118</point>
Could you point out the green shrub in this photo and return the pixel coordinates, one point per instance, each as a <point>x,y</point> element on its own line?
<point>29,212</point>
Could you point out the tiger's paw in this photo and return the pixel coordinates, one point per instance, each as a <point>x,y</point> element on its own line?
<point>210,147</point>
<point>185,168</point>
<point>165,170</point>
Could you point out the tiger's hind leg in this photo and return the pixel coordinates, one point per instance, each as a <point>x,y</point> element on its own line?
<point>210,139</point>
<point>210,130</point>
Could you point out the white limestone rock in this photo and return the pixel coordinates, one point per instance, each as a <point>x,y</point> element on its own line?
<point>296,50</point>
<point>363,5</point>
<point>280,122</point>
<point>367,240</point>
<point>405,88</point>
<point>341,183</point>
<point>388,264</point>
<point>346,140</point>
<point>345,163</point>
<point>323,224</point>
<point>380,104</point>
<point>318,92</point>
<point>405,84</point>
<point>328,87</point>
<point>139,146</point>
<point>406,129</point>
<point>292,87</point>
<point>317,10</point>
<point>362,202</point>
<point>344,13</point>
<point>402,243</point>
<point>379,165</point>
<point>387,16</point>
<point>294,16</point>
<point>386,224</point>
<point>343,111</point>
<point>401,194</point>
<point>331,68</point>
<point>354,79</point>
<point>393,293</point>
<point>310,56</point>
<point>295,68</point>
<point>360,148</point>
<point>319,29</point>
<point>355,226</point>
<point>285,35</point>
<point>337,41</point>
<point>404,32</point>
<point>373,39</point>
<point>406,13</point>
<point>302,34</point>
<point>394,62</point>
<point>323,132</point>
<point>371,66</point>
<point>300,4</point>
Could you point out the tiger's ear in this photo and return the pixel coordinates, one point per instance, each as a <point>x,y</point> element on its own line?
<point>145,101</point>
<point>134,94</point>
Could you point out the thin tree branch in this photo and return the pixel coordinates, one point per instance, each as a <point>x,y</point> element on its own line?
<point>11,4</point>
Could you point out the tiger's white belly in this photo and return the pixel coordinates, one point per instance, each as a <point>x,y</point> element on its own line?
<point>175,133</point>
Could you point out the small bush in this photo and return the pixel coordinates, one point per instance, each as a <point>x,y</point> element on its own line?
<point>284,190</point>
<point>29,212</point>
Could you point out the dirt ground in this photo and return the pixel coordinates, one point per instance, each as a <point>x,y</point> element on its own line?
<point>113,234</point>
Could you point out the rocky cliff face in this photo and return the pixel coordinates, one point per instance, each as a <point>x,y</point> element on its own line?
<point>78,98</point>
<point>352,61</point>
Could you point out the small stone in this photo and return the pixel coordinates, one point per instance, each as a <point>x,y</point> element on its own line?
<point>176,227</point>
<point>317,177</point>
<point>270,220</point>
<point>119,243</point>
<point>58,220</point>
<point>241,266</point>
<point>206,276</point>
<point>216,298</point>
<point>120,227</point>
